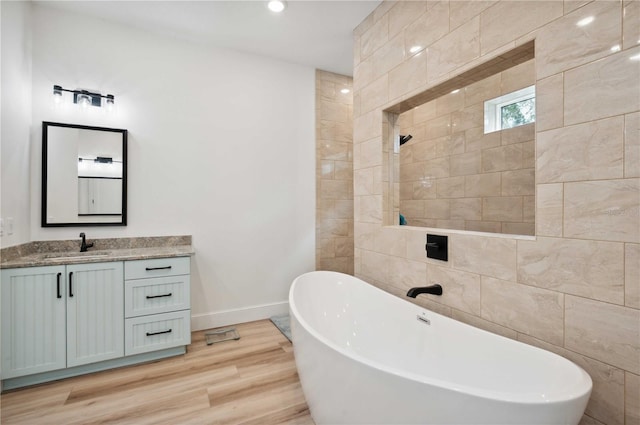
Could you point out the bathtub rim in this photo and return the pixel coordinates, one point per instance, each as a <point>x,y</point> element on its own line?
<point>523,398</point>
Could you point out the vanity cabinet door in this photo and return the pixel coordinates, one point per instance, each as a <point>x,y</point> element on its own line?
<point>95,312</point>
<point>33,320</point>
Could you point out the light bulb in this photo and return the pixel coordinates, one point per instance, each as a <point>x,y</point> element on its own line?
<point>84,100</point>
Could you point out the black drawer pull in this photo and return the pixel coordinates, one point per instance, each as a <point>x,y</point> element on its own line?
<point>158,333</point>
<point>58,284</point>
<point>158,268</point>
<point>70,284</point>
<point>159,296</point>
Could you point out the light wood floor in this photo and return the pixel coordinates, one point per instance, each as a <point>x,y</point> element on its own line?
<point>249,381</point>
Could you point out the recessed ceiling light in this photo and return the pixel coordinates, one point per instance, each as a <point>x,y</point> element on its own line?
<point>345,91</point>
<point>585,21</point>
<point>276,5</point>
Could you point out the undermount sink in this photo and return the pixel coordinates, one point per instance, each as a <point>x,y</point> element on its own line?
<point>75,255</point>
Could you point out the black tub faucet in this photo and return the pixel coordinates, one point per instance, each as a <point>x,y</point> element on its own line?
<point>433,289</point>
<point>84,246</point>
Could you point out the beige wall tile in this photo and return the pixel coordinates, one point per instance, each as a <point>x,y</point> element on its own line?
<point>370,154</point>
<point>437,168</point>
<point>469,117</point>
<point>404,13</point>
<point>485,255</point>
<point>388,57</point>
<point>391,241</point>
<point>589,151</point>
<point>375,94</point>
<point>486,89</point>
<point>454,49</point>
<point>484,226</point>
<point>450,102</point>
<point>424,112</point>
<point>632,275</point>
<point>520,182</point>
<point>466,209</point>
<point>533,311</point>
<point>571,5</point>
<point>518,228</point>
<point>504,208</point>
<point>632,145</point>
<point>337,112</point>
<point>590,269</point>
<point>364,235</point>
<point>425,189</point>
<point>463,11</point>
<point>437,208</point>
<point>449,224</point>
<point>372,39</point>
<point>343,247</point>
<point>466,163</point>
<point>478,322</point>
<point>475,139</point>
<point>460,290</point>
<point>502,158</point>
<point>483,185</point>
<point>405,274</point>
<point>409,75</point>
<point>374,265</point>
<point>363,182</point>
<point>412,209</point>
<point>603,88</point>
<point>603,331</point>
<point>519,134</point>
<point>549,210</point>
<point>343,170</point>
<point>630,24</point>
<point>369,208</point>
<point>549,101</point>
<point>605,210</point>
<point>422,150</point>
<point>334,150</point>
<point>518,77</point>
<point>529,209</point>
<point>506,21</point>
<point>438,127</point>
<point>564,45</point>
<point>632,399</point>
<point>450,145</point>
<point>366,127</point>
<point>428,28</point>
<point>452,187</point>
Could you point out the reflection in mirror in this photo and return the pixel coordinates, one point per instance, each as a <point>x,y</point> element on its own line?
<point>83,175</point>
<point>454,174</point>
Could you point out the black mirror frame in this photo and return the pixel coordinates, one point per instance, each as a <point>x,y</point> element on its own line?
<point>45,127</point>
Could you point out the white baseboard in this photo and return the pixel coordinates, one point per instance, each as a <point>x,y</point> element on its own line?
<point>242,315</point>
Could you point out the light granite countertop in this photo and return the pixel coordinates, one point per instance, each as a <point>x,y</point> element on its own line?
<point>52,253</point>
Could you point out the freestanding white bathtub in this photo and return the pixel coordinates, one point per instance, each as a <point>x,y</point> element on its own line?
<point>364,357</point>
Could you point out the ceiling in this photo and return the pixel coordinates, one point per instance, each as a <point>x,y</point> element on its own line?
<point>311,33</point>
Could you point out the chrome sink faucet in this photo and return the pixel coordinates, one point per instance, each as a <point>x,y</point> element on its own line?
<point>84,246</point>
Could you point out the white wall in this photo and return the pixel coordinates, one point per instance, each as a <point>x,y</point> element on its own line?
<point>221,146</point>
<point>15,120</point>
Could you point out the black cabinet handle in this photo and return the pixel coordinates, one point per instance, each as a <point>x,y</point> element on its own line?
<point>70,284</point>
<point>58,284</point>
<point>159,296</point>
<point>158,333</point>
<point>158,268</point>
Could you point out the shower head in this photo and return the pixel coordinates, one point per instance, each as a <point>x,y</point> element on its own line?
<point>405,139</point>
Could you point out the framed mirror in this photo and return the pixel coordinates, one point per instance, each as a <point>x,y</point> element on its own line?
<point>84,175</point>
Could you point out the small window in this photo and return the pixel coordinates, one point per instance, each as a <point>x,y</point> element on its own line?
<point>511,110</point>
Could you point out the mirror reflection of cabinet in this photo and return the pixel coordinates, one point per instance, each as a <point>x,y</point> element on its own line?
<point>84,175</point>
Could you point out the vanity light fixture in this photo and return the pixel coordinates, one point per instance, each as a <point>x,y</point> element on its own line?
<point>84,98</point>
<point>276,5</point>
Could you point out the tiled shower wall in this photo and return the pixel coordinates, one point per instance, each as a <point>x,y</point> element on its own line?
<point>454,176</point>
<point>334,172</point>
<point>574,287</point>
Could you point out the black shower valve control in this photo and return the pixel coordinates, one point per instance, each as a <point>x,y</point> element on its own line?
<point>437,247</point>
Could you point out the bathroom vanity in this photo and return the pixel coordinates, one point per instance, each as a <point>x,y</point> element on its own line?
<point>67,313</point>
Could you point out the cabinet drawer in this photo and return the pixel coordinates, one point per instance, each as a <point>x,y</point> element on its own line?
<point>157,332</point>
<point>156,295</point>
<point>157,267</point>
